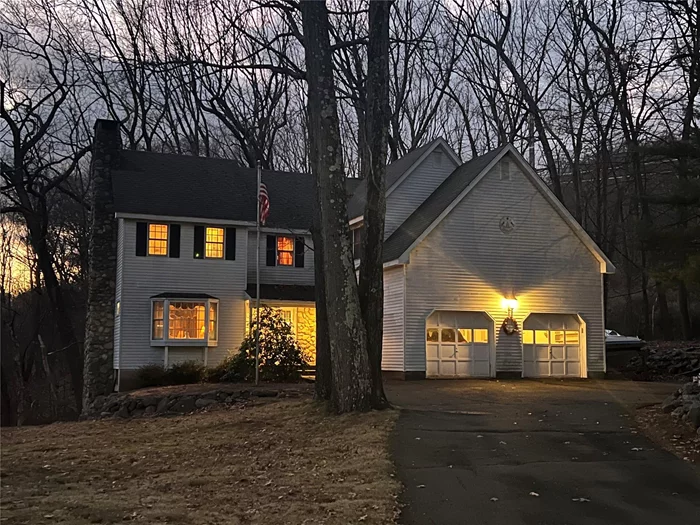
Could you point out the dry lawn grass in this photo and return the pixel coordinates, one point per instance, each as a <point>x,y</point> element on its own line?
<point>276,462</point>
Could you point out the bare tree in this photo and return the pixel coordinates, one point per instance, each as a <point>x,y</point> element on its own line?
<point>371,265</point>
<point>348,341</point>
<point>40,115</point>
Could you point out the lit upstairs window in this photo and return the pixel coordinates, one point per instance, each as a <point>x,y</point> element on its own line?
<point>157,239</point>
<point>285,251</point>
<point>214,246</point>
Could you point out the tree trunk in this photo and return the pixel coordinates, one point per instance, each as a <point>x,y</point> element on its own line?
<point>70,349</point>
<point>371,265</point>
<point>664,315</point>
<point>323,385</point>
<point>352,386</point>
<point>686,326</point>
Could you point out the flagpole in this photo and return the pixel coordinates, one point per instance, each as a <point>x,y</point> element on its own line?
<point>257,281</point>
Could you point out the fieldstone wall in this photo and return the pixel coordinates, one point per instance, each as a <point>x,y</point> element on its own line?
<point>102,259</point>
<point>132,406</point>
<point>684,404</point>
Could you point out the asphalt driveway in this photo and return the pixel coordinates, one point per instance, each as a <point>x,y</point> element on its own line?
<point>535,452</point>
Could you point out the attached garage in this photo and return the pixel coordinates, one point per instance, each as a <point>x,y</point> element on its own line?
<point>459,344</point>
<point>554,346</point>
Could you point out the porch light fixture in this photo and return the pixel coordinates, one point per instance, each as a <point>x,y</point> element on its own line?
<point>510,325</point>
<point>509,305</point>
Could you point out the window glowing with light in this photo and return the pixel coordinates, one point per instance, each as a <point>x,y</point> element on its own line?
<point>213,317</point>
<point>157,239</point>
<point>481,335</point>
<point>214,246</point>
<point>285,251</point>
<point>158,320</point>
<point>186,320</point>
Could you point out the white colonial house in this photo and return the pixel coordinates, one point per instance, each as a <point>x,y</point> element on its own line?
<point>486,272</point>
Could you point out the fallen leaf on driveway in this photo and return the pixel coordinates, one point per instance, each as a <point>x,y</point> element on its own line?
<point>535,494</point>
<point>502,443</point>
<point>494,499</point>
<point>637,449</point>
<point>580,500</point>
<point>420,486</point>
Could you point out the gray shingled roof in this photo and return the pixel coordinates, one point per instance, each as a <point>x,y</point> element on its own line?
<point>179,185</point>
<point>356,205</point>
<point>413,227</point>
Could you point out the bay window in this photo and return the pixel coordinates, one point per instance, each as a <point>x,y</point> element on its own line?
<point>184,321</point>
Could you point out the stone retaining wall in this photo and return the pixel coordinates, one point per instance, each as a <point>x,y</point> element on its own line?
<point>130,405</point>
<point>684,404</point>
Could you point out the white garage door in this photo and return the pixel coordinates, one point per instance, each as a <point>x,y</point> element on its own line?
<point>551,346</point>
<point>458,344</point>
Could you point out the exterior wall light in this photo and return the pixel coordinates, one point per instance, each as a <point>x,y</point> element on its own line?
<point>510,325</point>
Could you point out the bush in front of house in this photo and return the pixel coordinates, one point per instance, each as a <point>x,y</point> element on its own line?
<point>183,373</point>
<point>151,375</point>
<point>281,357</point>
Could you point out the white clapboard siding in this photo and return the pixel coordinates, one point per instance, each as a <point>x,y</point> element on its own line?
<point>393,339</point>
<point>280,274</point>
<point>144,277</point>
<point>118,288</point>
<point>416,187</point>
<point>468,263</point>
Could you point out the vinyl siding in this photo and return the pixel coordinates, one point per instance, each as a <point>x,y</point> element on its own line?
<point>467,263</point>
<point>280,274</point>
<point>393,339</point>
<point>144,277</point>
<point>118,289</point>
<point>415,188</point>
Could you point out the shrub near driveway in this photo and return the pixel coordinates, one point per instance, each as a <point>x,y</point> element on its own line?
<point>284,462</point>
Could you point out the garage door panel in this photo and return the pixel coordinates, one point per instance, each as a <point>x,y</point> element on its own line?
<point>557,352</point>
<point>573,368</point>
<point>541,368</point>
<point>572,353</point>
<point>459,344</point>
<point>432,351</point>
<point>541,352</point>
<point>432,368</point>
<point>448,368</point>
<point>557,346</point>
<point>558,368</point>
<point>448,351</point>
<point>481,352</point>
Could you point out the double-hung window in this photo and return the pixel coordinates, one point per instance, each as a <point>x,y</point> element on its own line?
<point>214,245</point>
<point>357,235</point>
<point>157,239</point>
<point>285,251</point>
<point>184,321</point>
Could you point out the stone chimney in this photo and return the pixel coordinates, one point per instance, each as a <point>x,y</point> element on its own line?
<point>98,374</point>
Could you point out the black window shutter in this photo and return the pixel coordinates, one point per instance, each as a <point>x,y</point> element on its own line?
<point>141,239</point>
<point>299,252</point>
<point>271,259</point>
<point>230,244</point>
<point>199,242</point>
<point>174,250</point>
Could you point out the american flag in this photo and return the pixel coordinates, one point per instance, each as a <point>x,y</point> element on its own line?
<point>264,201</point>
